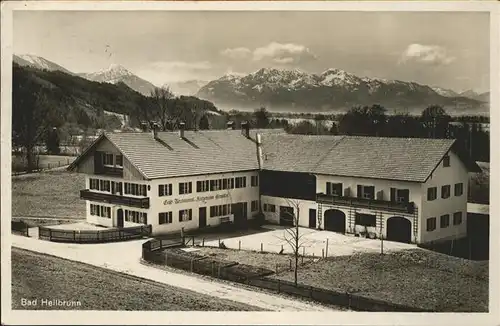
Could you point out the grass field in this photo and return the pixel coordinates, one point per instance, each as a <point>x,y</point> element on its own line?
<point>48,194</point>
<point>37,276</point>
<point>45,161</point>
<point>418,278</point>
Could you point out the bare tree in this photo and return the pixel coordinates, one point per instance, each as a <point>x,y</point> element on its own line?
<point>162,101</point>
<point>292,235</point>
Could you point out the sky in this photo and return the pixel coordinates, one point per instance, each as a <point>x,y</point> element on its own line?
<point>445,49</point>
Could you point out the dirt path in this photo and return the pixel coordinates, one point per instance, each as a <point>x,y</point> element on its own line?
<point>124,257</point>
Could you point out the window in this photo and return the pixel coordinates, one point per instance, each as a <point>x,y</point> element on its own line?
<point>104,185</point>
<point>165,218</point>
<point>107,159</point>
<point>220,210</point>
<point>270,208</point>
<point>231,183</point>
<point>165,190</point>
<point>459,189</point>
<point>136,217</point>
<point>94,184</point>
<point>431,193</point>
<point>254,205</point>
<point>185,188</point>
<point>334,189</point>
<point>445,191</point>
<point>367,192</point>
<point>444,221</point>
<point>215,185</point>
<point>241,182</point>
<point>457,218</point>
<point>135,189</point>
<point>254,180</point>
<point>202,186</point>
<point>446,161</point>
<point>431,224</point>
<point>225,184</point>
<point>119,160</point>
<point>185,215</point>
<point>102,211</point>
<point>365,219</point>
<point>400,195</point>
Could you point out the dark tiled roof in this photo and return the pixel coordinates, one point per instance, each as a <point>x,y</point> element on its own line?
<point>405,159</point>
<point>200,152</point>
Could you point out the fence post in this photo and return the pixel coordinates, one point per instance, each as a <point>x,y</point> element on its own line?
<point>276,268</point>
<point>311,292</point>
<point>74,235</point>
<point>192,262</point>
<point>166,258</point>
<point>326,252</point>
<point>193,240</point>
<point>291,262</point>
<point>323,253</point>
<point>219,242</point>
<point>213,263</point>
<point>303,251</point>
<point>261,247</point>
<point>218,271</point>
<point>50,234</point>
<point>302,259</point>
<point>239,244</point>
<point>203,242</point>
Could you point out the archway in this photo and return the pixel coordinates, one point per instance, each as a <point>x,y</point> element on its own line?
<point>334,220</point>
<point>399,229</point>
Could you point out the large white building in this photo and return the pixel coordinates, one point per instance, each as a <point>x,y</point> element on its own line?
<point>409,190</point>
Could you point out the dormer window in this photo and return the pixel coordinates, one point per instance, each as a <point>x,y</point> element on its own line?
<point>446,161</point>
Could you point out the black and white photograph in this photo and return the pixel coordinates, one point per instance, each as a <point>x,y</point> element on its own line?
<point>297,163</point>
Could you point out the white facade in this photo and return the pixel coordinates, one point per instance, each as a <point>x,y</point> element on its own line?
<point>175,202</point>
<point>455,173</point>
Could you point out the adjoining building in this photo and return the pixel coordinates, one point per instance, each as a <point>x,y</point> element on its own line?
<point>409,190</point>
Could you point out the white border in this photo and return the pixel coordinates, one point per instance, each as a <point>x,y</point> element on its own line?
<point>239,318</point>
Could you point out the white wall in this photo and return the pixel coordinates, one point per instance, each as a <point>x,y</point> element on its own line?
<point>174,203</point>
<point>455,173</point>
<point>196,200</point>
<point>379,184</point>
<point>303,206</point>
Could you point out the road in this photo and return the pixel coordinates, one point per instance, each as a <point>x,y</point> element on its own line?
<point>125,257</point>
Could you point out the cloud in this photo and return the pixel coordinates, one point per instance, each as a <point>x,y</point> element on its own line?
<point>428,54</point>
<point>283,53</point>
<point>182,65</point>
<point>237,53</point>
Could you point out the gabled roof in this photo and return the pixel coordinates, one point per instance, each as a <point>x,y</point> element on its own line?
<point>199,152</point>
<point>403,159</point>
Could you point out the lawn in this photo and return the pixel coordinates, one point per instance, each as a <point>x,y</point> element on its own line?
<point>417,277</point>
<point>38,276</point>
<point>48,194</point>
<point>44,161</point>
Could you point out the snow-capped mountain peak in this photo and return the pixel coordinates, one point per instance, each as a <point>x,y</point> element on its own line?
<point>38,62</point>
<point>338,77</point>
<point>444,92</point>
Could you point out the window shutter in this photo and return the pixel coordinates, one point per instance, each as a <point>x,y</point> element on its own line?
<point>393,194</point>
<point>328,188</point>
<point>358,194</point>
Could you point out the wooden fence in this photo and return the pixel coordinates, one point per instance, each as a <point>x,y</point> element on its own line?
<point>94,236</point>
<point>259,277</point>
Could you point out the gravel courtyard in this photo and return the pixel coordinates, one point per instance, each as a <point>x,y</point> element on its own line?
<point>313,242</point>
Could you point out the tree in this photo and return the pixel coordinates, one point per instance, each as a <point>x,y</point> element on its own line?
<point>204,123</point>
<point>161,99</point>
<point>435,121</point>
<point>377,120</point>
<point>292,235</point>
<point>52,141</point>
<point>261,117</point>
<point>29,111</point>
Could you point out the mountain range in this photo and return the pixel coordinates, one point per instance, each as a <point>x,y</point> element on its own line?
<point>291,90</point>
<point>333,89</point>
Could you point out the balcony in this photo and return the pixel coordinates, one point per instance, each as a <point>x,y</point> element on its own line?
<point>384,205</point>
<point>108,170</point>
<point>114,199</point>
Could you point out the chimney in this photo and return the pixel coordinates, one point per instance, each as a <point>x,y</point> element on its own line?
<point>231,125</point>
<point>259,150</point>
<point>245,129</point>
<point>154,130</point>
<point>181,129</point>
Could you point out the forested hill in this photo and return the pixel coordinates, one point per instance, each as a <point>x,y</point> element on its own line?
<point>68,99</point>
